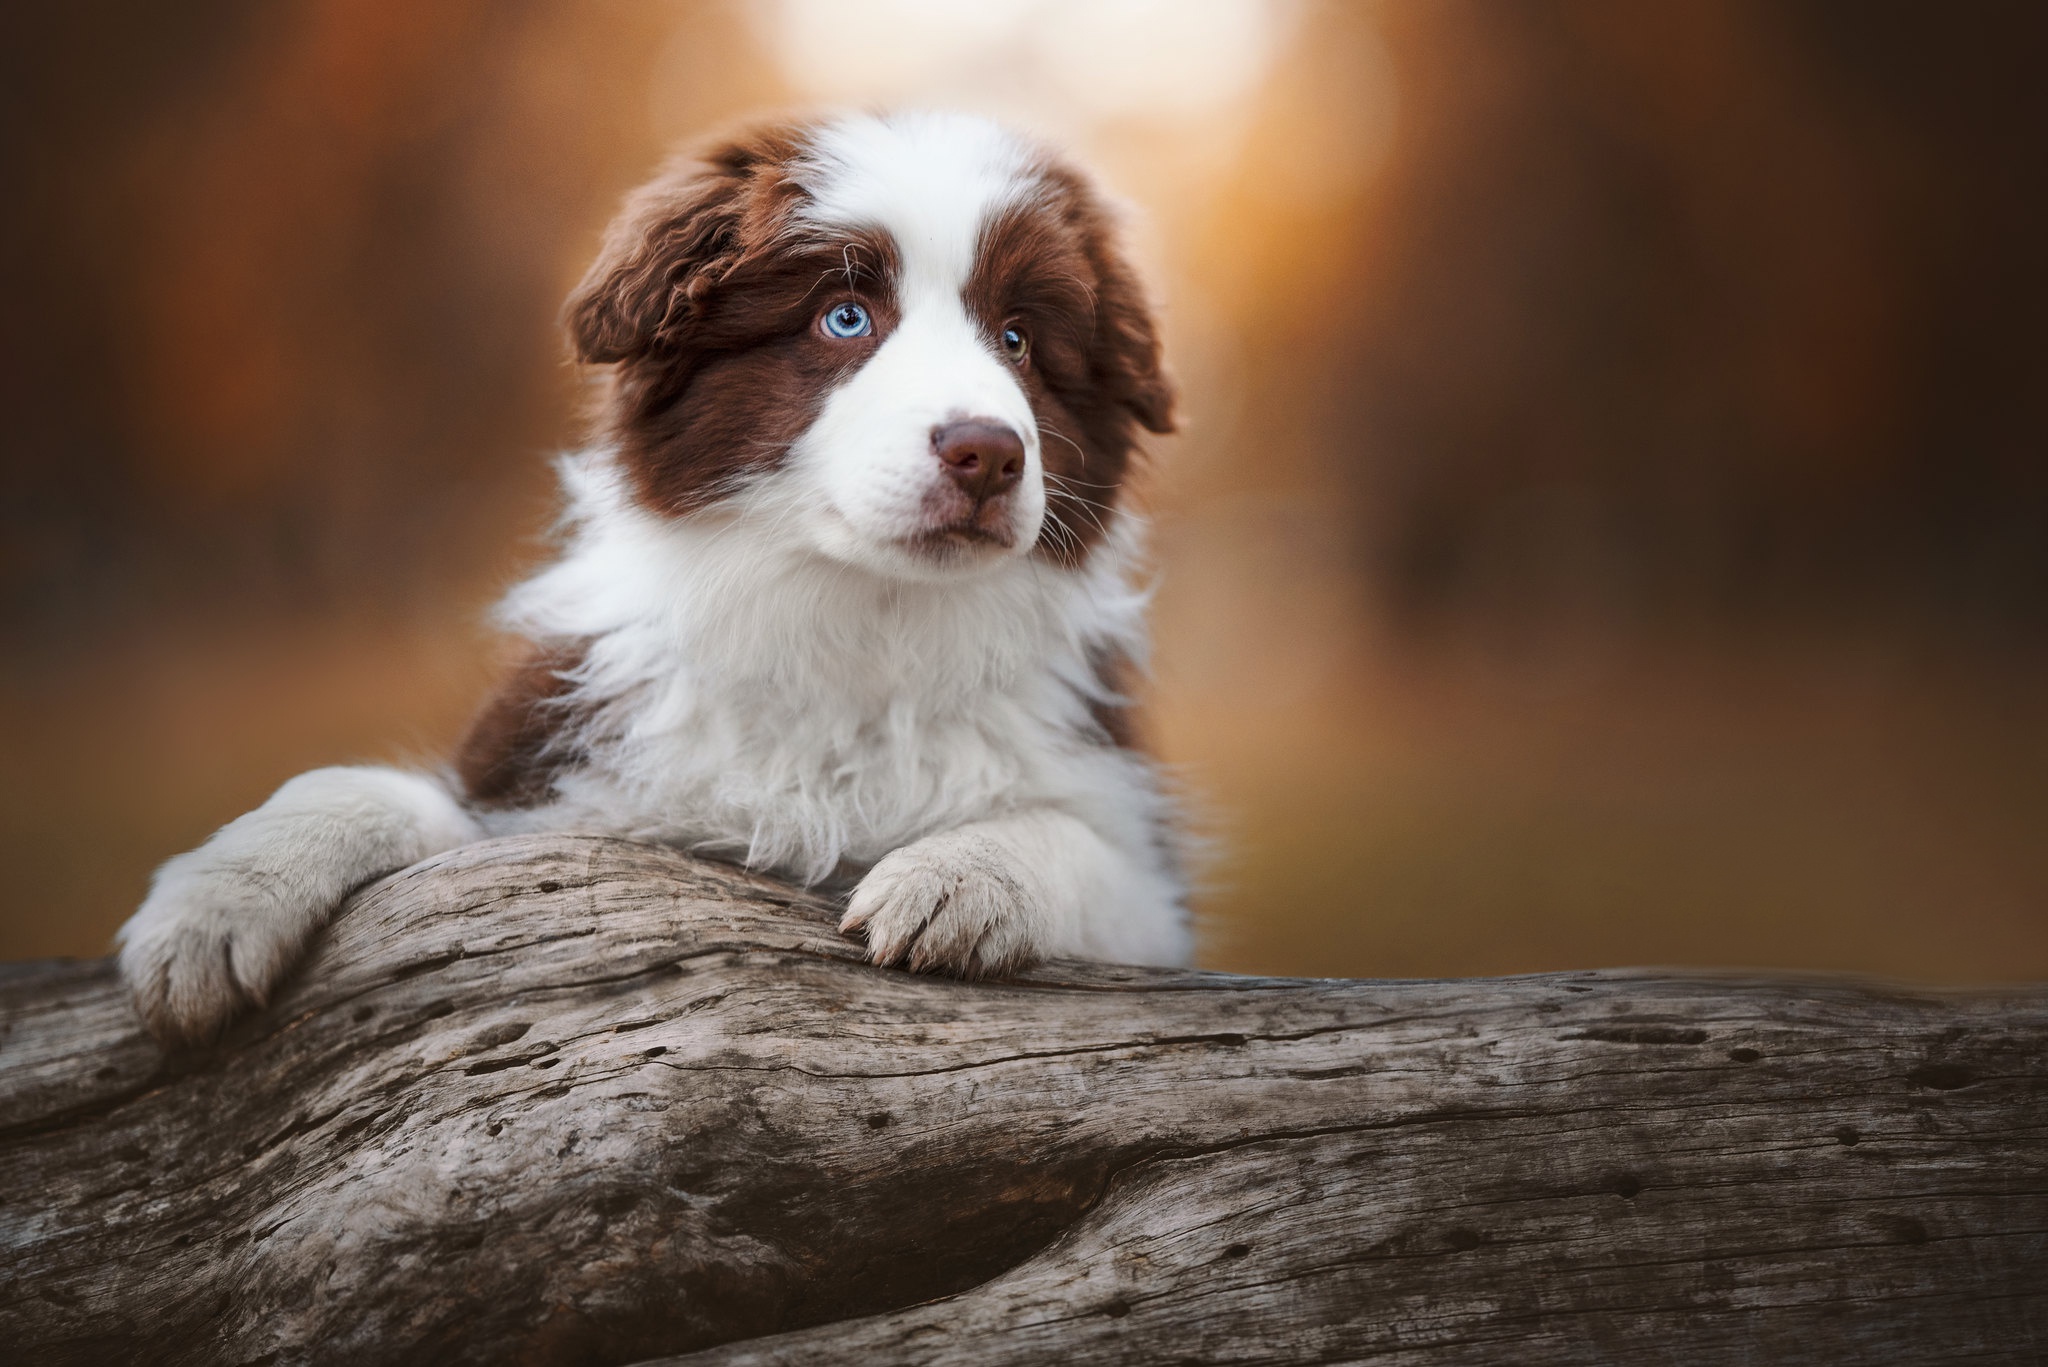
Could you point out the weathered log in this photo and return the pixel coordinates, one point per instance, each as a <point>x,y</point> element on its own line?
<point>579,1101</point>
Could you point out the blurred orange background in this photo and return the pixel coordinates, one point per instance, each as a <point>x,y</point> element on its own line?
<point>1610,525</point>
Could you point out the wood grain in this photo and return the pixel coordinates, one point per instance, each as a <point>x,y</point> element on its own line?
<point>566,1100</point>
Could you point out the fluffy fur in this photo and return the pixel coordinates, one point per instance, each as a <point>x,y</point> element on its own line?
<point>800,621</point>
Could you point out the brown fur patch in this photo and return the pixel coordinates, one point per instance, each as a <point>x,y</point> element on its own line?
<point>516,745</point>
<point>692,426</point>
<point>1052,266</point>
<point>1118,715</point>
<point>677,238</point>
<point>705,300</point>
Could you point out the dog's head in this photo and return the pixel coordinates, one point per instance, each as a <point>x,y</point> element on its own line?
<point>911,340</point>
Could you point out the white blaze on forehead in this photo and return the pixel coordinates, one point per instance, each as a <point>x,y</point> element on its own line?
<point>931,181</point>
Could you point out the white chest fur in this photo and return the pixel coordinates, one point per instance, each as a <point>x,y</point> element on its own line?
<point>748,697</point>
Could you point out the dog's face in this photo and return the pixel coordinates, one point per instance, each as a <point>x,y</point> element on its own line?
<point>911,341</point>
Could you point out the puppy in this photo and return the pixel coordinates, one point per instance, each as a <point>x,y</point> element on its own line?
<point>845,593</point>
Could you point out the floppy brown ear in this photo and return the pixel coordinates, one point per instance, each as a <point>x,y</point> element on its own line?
<point>673,242</point>
<point>1125,352</point>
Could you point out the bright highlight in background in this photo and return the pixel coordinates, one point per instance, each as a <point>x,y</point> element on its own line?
<point>1054,63</point>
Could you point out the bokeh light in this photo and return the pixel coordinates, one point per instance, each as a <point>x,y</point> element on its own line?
<point>1074,62</point>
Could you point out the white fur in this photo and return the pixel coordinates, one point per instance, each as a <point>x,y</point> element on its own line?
<point>761,701</point>
<point>865,470</point>
<point>224,923</point>
<point>1007,890</point>
<point>930,180</point>
<point>781,679</point>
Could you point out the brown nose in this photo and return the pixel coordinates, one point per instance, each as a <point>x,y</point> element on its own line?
<point>984,458</point>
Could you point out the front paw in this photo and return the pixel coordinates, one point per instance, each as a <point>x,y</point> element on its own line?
<point>954,903</point>
<point>211,941</point>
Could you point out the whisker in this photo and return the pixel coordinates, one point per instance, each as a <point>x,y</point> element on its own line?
<point>1068,485</point>
<point>1087,509</point>
<point>1060,488</point>
<point>1049,430</point>
<point>1064,537</point>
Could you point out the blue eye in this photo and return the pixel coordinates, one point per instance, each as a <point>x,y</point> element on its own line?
<point>848,320</point>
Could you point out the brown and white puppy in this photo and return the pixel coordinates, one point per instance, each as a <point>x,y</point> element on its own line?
<point>845,593</point>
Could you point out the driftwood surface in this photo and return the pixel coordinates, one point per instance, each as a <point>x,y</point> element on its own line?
<point>572,1100</point>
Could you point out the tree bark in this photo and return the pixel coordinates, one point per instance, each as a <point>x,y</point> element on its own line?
<point>571,1100</point>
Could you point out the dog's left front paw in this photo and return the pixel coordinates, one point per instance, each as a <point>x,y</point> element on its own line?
<point>951,903</point>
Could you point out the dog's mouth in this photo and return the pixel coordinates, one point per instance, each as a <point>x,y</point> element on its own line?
<point>955,527</point>
<point>961,538</point>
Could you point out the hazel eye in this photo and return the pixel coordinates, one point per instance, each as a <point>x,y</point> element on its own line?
<point>1016,345</point>
<point>847,320</point>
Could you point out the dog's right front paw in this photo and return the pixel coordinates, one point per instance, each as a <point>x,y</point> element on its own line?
<point>955,903</point>
<point>210,942</point>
